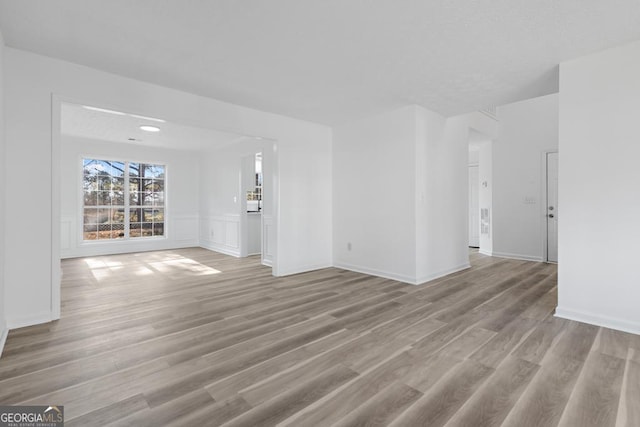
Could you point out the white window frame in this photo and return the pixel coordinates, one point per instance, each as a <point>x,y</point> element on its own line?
<point>127,205</point>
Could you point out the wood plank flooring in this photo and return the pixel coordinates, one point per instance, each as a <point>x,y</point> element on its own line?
<point>191,338</point>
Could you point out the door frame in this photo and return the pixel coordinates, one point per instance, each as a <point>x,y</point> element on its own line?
<point>544,229</point>
<point>474,165</point>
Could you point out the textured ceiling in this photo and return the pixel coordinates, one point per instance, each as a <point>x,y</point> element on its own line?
<point>328,61</point>
<point>77,120</point>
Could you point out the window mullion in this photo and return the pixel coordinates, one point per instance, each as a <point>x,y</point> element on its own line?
<point>126,201</point>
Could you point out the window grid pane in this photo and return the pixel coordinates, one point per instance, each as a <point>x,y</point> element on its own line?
<point>116,201</point>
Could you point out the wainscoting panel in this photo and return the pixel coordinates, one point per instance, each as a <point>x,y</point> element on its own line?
<point>232,230</point>
<point>268,239</point>
<point>67,232</point>
<point>181,232</point>
<point>184,228</point>
<point>221,233</point>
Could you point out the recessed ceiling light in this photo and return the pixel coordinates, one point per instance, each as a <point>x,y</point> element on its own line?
<point>153,119</point>
<point>148,128</point>
<point>104,110</point>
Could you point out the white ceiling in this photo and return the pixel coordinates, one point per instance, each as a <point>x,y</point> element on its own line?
<point>78,121</point>
<point>328,61</point>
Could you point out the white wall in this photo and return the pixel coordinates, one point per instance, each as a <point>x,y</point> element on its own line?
<point>182,183</point>
<point>599,231</point>
<point>303,180</point>
<point>400,195</point>
<point>303,159</point>
<point>442,195</point>
<point>474,156</point>
<point>222,198</point>
<point>3,247</point>
<point>374,181</point>
<point>528,128</point>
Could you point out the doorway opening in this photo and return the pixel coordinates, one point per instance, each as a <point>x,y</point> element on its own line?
<point>474,206</point>
<point>252,205</point>
<point>193,205</point>
<point>480,192</point>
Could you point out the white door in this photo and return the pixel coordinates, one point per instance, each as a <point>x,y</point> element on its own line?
<point>474,207</point>
<point>552,207</point>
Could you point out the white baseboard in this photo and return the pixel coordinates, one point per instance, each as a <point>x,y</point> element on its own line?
<point>442,273</point>
<point>303,269</point>
<point>400,277</point>
<point>36,319</point>
<point>219,248</point>
<point>374,272</point>
<point>599,320</point>
<point>267,262</point>
<point>487,253</point>
<point>517,256</point>
<point>125,247</point>
<point>3,339</point>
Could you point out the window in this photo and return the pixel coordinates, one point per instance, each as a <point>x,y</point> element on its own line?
<point>122,200</point>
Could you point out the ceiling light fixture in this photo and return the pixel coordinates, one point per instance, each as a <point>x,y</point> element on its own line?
<point>104,110</point>
<point>153,119</point>
<point>148,128</point>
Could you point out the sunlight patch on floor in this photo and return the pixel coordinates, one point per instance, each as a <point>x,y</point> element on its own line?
<point>101,263</point>
<point>143,271</point>
<point>102,268</point>
<point>183,264</point>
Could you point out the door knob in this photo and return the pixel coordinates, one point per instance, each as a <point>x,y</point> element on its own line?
<point>550,208</point>
<point>551,215</point>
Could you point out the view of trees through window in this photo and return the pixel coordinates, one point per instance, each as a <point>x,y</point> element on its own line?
<point>122,200</point>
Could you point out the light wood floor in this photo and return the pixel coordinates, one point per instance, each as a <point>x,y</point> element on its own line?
<point>191,337</point>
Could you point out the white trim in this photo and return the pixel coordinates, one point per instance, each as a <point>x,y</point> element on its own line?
<point>483,252</point>
<point>303,269</point>
<point>222,249</point>
<point>374,272</point>
<point>3,339</point>
<point>267,224</point>
<point>543,206</point>
<point>56,202</point>
<point>400,277</point>
<point>142,244</point>
<point>102,250</point>
<point>598,320</point>
<point>517,256</point>
<point>275,209</point>
<point>22,322</point>
<point>442,273</point>
<point>80,242</point>
<point>220,241</point>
